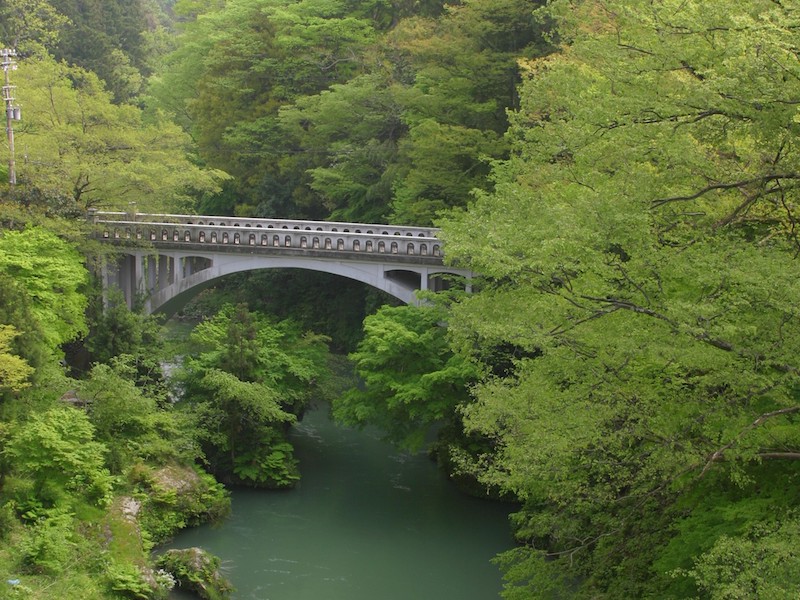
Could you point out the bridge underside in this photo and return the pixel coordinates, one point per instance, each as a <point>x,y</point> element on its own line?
<point>166,279</point>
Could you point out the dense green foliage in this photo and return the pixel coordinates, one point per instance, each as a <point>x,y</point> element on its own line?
<point>111,39</point>
<point>363,111</point>
<point>118,40</point>
<point>246,379</point>
<point>73,453</point>
<point>622,175</point>
<point>82,151</point>
<point>14,370</point>
<point>642,239</point>
<point>410,379</point>
<point>54,455</point>
<point>53,278</point>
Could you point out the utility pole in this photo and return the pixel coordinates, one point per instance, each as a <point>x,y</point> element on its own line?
<point>13,112</point>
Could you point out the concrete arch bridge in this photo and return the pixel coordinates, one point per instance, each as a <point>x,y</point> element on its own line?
<point>166,259</point>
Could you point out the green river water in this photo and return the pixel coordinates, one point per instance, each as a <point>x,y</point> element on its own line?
<point>367,522</point>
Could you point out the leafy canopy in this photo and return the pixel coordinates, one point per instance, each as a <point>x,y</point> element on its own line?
<point>642,238</point>
<point>83,151</point>
<point>57,450</point>
<point>246,381</point>
<point>14,370</point>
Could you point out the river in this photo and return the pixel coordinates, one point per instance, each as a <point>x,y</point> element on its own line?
<point>366,522</point>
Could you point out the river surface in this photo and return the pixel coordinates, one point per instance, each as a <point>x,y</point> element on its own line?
<point>366,522</point>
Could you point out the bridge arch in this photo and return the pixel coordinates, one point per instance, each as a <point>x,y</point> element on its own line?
<point>167,281</point>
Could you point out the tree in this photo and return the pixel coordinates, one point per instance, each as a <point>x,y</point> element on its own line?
<point>351,132</point>
<point>642,239</point>
<point>16,312</point>
<point>52,275</point>
<point>237,65</point>
<point>14,370</point>
<point>115,330</point>
<point>107,38</point>
<point>313,102</point>
<point>30,25</point>
<point>410,380</point>
<point>128,420</point>
<point>247,382</point>
<point>82,151</point>
<point>760,565</point>
<point>445,164</point>
<point>57,451</point>
<point>465,72</point>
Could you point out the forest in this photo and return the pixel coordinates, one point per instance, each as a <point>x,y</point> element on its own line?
<point>622,176</point>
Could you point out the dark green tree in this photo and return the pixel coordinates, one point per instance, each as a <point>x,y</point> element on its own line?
<point>108,38</point>
<point>356,111</point>
<point>115,330</point>
<point>247,382</point>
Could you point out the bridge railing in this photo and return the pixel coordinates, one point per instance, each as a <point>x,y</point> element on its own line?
<point>376,241</point>
<point>289,224</point>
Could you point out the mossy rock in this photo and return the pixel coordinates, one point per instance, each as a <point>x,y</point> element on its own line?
<point>174,497</point>
<point>198,571</point>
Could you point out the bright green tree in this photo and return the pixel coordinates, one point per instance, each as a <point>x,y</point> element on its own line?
<point>56,450</point>
<point>16,311</point>
<point>763,564</point>
<point>51,274</point>
<point>410,380</point>
<point>30,25</point>
<point>128,420</point>
<point>642,239</point>
<point>14,370</point>
<point>78,150</point>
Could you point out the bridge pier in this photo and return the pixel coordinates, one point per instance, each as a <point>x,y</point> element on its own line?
<point>127,278</point>
<point>166,267</point>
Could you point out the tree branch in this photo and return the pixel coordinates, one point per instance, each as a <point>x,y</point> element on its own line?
<point>725,186</point>
<point>719,454</point>
<point>779,455</point>
<point>700,337</point>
